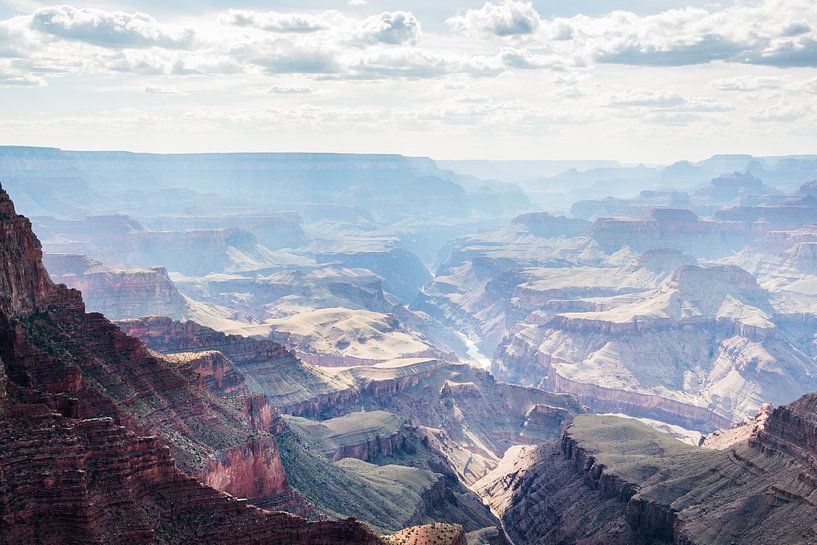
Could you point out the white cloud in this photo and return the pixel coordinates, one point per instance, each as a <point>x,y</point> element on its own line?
<point>114,29</point>
<point>396,28</point>
<point>748,83</point>
<point>780,113</point>
<point>506,19</point>
<point>284,59</point>
<point>285,89</point>
<point>21,80</point>
<point>772,32</point>
<point>274,21</point>
<point>416,63</point>
<point>525,60</point>
<point>356,3</point>
<point>646,98</point>
<point>159,90</point>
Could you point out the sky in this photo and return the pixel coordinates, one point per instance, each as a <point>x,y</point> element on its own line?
<point>634,80</point>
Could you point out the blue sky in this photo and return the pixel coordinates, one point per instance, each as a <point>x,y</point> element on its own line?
<point>649,80</point>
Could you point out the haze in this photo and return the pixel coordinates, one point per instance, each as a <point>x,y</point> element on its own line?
<point>636,81</point>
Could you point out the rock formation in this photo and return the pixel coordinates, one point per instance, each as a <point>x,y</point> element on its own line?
<point>703,350</point>
<point>613,480</point>
<point>472,417</point>
<point>118,294</point>
<point>99,438</point>
<point>678,229</point>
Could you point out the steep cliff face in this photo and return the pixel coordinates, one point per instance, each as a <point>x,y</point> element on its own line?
<point>165,335</point>
<point>611,480</point>
<point>91,424</point>
<point>24,284</point>
<point>119,294</point>
<point>544,225</point>
<point>216,371</point>
<point>671,228</point>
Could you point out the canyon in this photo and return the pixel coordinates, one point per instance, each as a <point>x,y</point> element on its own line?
<point>326,354</point>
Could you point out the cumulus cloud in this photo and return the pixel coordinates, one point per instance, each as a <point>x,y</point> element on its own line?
<point>275,21</point>
<point>506,19</point>
<point>145,64</point>
<point>772,32</point>
<point>113,29</point>
<point>396,28</point>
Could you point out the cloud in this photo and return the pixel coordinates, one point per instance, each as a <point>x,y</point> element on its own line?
<point>159,90</point>
<point>112,29</point>
<point>356,3</point>
<point>790,52</point>
<point>396,28</point>
<point>274,21</point>
<point>747,83</point>
<point>664,106</point>
<point>296,60</point>
<point>646,98</point>
<point>509,18</point>
<point>285,89</point>
<point>810,86</point>
<point>130,62</point>
<point>780,113</point>
<point>525,60</point>
<point>771,32</point>
<point>416,63</point>
<point>21,80</point>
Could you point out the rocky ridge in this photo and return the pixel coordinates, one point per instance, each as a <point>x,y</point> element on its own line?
<point>613,480</point>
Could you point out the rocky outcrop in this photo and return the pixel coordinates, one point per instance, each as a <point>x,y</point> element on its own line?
<point>165,335</point>
<point>90,424</point>
<point>121,294</point>
<point>542,224</point>
<point>671,228</point>
<point>217,372</point>
<point>273,229</point>
<point>24,282</point>
<point>402,272</point>
<point>367,436</point>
